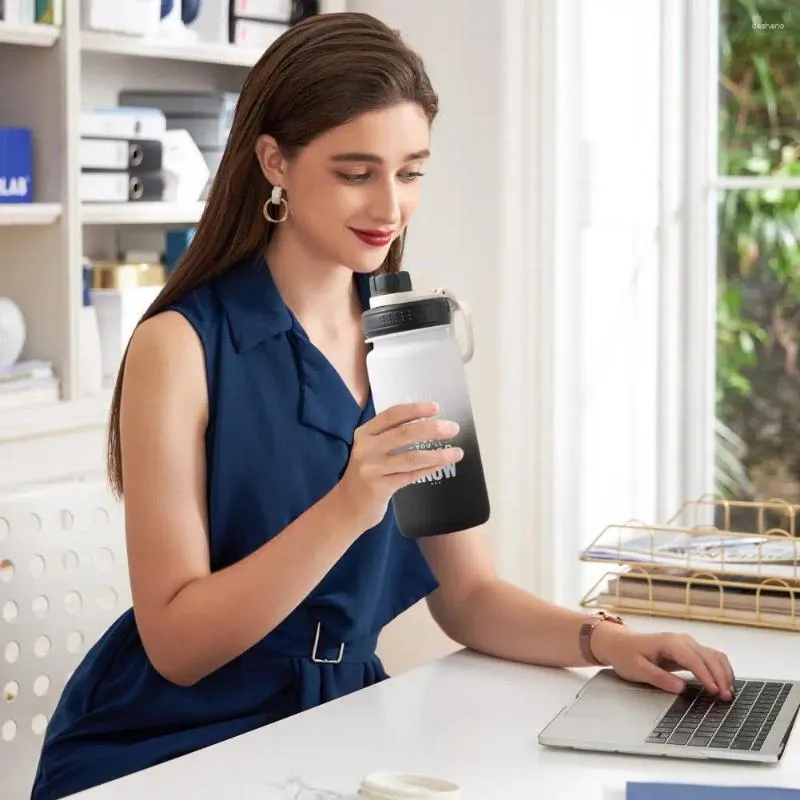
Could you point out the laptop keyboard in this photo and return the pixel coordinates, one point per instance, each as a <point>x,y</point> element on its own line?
<point>698,719</point>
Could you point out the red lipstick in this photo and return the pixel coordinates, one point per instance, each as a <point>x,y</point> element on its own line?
<point>374,238</point>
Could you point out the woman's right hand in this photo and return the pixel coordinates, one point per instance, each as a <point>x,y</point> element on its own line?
<point>381,461</point>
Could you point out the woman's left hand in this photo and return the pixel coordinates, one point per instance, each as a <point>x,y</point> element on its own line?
<point>653,657</point>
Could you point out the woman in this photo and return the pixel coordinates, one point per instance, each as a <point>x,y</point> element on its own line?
<point>264,557</point>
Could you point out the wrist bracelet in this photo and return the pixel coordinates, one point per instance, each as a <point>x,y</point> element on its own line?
<point>586,631</point>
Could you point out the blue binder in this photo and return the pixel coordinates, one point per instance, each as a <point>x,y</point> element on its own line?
<point>16,168</point>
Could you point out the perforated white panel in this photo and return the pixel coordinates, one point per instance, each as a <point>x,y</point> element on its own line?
<point>63,580</point>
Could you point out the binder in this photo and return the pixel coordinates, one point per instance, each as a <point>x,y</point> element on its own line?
<point>254,33</point>
<point>123,123</point>
<point>269,10</point>
<point>197,103</point>
<point>120,187</point>
<point>16,165</point>
<point>133,155</point>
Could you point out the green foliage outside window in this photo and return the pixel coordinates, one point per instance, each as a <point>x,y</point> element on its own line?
<point>758,306</point>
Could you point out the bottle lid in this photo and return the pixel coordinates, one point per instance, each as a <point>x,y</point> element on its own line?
<point>403,786</point>
<point>390,283</point>
<point>395,308</point>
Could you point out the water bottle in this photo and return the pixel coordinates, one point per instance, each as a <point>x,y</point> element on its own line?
<point>416,356</point>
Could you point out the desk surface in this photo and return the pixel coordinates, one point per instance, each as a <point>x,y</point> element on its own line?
<point>467,718</point>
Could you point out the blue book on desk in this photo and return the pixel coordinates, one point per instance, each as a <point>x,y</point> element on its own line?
<point>686,791</point>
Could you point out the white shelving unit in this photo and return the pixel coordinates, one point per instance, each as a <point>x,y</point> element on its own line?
<point>111,44</point>
<point>30,35</point>
<point>30,213</point>
<point>47,75</point>
<point>141,213</point>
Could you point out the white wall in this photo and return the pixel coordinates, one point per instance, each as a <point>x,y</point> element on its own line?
<point>456,238</point>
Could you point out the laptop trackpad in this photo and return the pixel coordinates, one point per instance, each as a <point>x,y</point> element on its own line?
<point>630,704</point>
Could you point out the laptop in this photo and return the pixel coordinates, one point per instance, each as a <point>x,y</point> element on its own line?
<point>612,715</point>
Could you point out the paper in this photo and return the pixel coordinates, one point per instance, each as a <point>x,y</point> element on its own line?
<point>699,551</point>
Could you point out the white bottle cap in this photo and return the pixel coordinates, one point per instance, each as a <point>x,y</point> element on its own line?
<point>400,786</point>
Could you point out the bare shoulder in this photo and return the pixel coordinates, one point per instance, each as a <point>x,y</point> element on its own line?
<point>165,364</point>
<point>166,335</point>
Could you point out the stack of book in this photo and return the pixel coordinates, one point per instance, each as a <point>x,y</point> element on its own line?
<point>26,384</point>
<point>30,12</point>
<point>705,573</point>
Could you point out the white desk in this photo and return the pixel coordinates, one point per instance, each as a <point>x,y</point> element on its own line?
<point>467,718</point>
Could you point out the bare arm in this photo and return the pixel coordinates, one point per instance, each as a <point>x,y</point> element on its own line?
<point>483,612</point>
<point>477,609</point>
<point>189,619</point>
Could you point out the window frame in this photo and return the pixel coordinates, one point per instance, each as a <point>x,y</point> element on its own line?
<point>703,184</point>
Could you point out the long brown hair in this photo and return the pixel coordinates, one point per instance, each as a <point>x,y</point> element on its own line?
<point>321,73</point>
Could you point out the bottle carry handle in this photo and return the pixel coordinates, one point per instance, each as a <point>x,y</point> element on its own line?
<point>456,305</point>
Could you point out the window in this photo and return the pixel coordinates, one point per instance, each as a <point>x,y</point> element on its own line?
<point>757,189</point>
<point>674,137</point>
<point>742,187</point>
<point>701,101</point>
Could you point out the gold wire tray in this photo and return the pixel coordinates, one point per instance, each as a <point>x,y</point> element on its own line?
<point>698,566</point>
<point>773,515</point>
<point>702,596</point>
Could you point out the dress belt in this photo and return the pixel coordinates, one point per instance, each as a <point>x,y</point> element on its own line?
<point>318,648</point>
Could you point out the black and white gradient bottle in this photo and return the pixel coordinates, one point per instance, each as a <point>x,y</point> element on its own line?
<point>416,356</point>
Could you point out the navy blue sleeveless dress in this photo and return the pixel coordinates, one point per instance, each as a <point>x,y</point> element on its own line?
<point>281,423</point>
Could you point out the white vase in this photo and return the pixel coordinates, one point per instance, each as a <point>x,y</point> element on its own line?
<point>12,332</point>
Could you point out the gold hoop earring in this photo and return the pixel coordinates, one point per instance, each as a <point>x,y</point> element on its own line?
<point>276,199</point>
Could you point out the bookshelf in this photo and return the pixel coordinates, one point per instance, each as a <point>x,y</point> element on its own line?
<point>114,45</point>
<point>141,213</point>
<point>29,35</point>
<point>47,75</point>
<point>30,214</point>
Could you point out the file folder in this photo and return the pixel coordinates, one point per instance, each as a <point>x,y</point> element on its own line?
<point>133,155</point>
<point>120,187</point>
